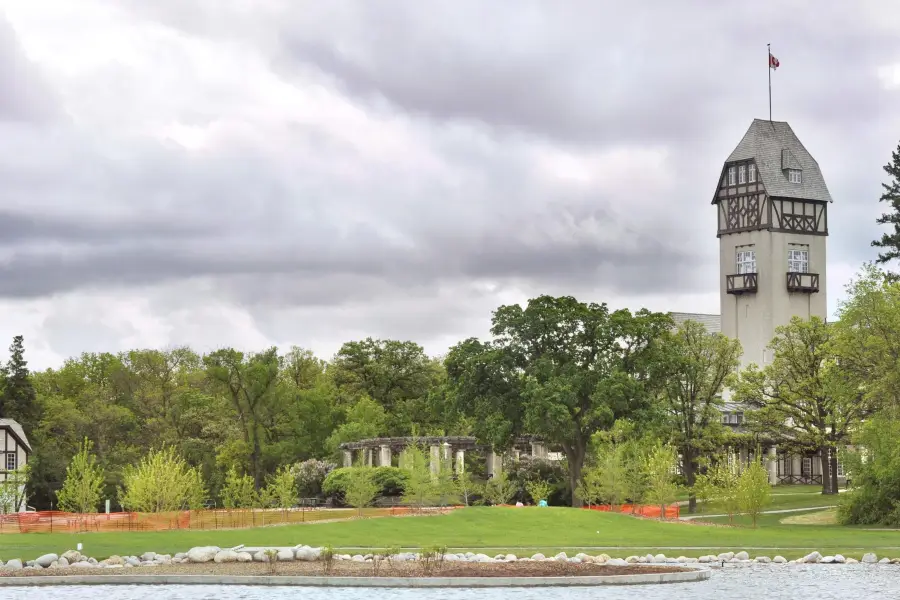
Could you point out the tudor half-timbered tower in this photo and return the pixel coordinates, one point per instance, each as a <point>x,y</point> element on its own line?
<point>772,205</point>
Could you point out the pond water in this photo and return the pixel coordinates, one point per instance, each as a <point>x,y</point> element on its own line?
<point>794,582</point>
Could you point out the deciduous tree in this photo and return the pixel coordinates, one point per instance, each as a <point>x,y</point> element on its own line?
<point>696,364</point>
<point>83,487</point>
<point>558,368</point>
<point>804,395</point>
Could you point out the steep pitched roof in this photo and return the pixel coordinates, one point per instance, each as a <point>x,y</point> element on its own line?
<point>765,143</point>
<point>713,323</point>
<point>16,430</point>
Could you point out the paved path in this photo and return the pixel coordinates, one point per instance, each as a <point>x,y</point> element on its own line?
<point>765,512</point>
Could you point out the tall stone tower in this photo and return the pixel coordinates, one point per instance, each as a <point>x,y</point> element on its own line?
<point>772,205</point>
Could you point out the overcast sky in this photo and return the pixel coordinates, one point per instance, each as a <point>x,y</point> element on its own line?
<point>226,172</point>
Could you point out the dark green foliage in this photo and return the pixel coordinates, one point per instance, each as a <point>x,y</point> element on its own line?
<point>890,241</point>
<point>527,469</point>
<point>390,482</point>
<point>17,395</point>
<point>875,497</point>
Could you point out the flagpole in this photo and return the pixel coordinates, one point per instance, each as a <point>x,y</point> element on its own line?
<point>769,69</point>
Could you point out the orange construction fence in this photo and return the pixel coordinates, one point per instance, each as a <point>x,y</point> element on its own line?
<point>64,522</point>
<point>643,510</point>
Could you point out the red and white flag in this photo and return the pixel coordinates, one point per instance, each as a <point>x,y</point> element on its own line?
<point>773,62</point>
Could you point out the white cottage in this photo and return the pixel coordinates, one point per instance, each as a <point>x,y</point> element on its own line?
<point>14,453</point>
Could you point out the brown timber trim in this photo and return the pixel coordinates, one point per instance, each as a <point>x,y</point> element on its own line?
<point>744,283</point>
<point>803,282</point>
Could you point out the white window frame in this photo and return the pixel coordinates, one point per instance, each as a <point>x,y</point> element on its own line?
<point>840,469</point>
<point>751,175</point>
<point>731,175</point>
<point>11,459</point>
<point>742,174</point>
<point>798,259</point>
<point>806,466</point>
<point>745,261</point>
<point>794,176</point>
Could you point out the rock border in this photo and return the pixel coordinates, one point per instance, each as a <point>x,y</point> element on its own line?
<point>691,575</point>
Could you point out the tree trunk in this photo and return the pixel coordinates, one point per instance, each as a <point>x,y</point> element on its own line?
<point>576,461</point>
<point>826,470</point>
<point>689,466</point>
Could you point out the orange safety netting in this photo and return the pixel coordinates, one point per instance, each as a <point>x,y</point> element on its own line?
<point>672,510</point>
<point>64,522</point>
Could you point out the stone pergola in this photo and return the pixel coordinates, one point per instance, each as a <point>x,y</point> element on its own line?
<point>380,451</point>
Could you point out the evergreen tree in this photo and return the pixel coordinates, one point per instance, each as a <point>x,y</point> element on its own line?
<point>890,242</point>
<point>17,400</point>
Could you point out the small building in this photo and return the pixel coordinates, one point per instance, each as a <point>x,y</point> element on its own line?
<point>14,453</point>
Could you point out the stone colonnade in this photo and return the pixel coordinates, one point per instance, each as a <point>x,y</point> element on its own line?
<point>379,453</point>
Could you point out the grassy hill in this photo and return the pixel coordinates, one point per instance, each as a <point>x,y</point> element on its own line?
<point>519,530</point>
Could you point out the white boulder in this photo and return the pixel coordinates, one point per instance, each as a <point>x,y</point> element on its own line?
<point>46,560</point>
<point>742,555</point>
<point>225,556</point>
<point>869,558</point>
<point>202,554</point>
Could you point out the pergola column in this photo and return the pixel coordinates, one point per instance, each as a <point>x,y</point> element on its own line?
<point>348,458</point>
<point>773,465</point>
<point>369,453</point>
<point>435,458</point>
<point>494,463</point>
<point>538,450</point>
<point>460,461</point>
<point>385,459</point>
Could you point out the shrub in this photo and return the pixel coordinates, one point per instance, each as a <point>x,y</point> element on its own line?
<point>310,474</point>
<point>391,481</point>
<point>161,482</point>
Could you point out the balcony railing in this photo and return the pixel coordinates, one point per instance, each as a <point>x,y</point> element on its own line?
<point>744,283</point>
<point>803,282</point>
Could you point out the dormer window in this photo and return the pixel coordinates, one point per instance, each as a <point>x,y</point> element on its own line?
<point>794,176</point>
<point>731,176</point>
<point>752,173</point>
<point>742,174</point>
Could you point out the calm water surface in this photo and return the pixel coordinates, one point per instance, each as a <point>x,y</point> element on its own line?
<point>794,582</point>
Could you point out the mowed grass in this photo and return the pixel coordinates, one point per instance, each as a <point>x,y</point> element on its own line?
<point>519,530</point>
<point>783,498</point>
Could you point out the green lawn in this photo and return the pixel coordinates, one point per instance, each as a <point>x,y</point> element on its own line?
<point>519,530</point>
<point>783,498</point>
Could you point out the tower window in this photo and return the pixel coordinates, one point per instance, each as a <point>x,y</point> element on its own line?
<point>752,169</point>
<point>11,463</point>
<point>731,176</point>
<point>794,176</point>
<point>742,174</point>
<point>746,261</point>
<point>798,259</point>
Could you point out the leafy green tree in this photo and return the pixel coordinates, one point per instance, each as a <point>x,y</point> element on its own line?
<point>281,488</point>
<point>611,461</point>
<point>874,464</point>
<point>499,489</point>
<point>420,490</point>
<point>397,375</point>
<point>249,383</point>
<point>661,487</point>
<point>238,491</point>
<point>12,489</point>
<point>696,366</point>
<point>468,486</point>
<point>754,491</point>
<point>161,482</point>
<point>364,419</point>
<point>558,368</point>
<point>720,486</point>
<point>539,490</point>
<point>362,488</point>
<point>83,487</point>
<point>804,395</point>
<point>890,241</point>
